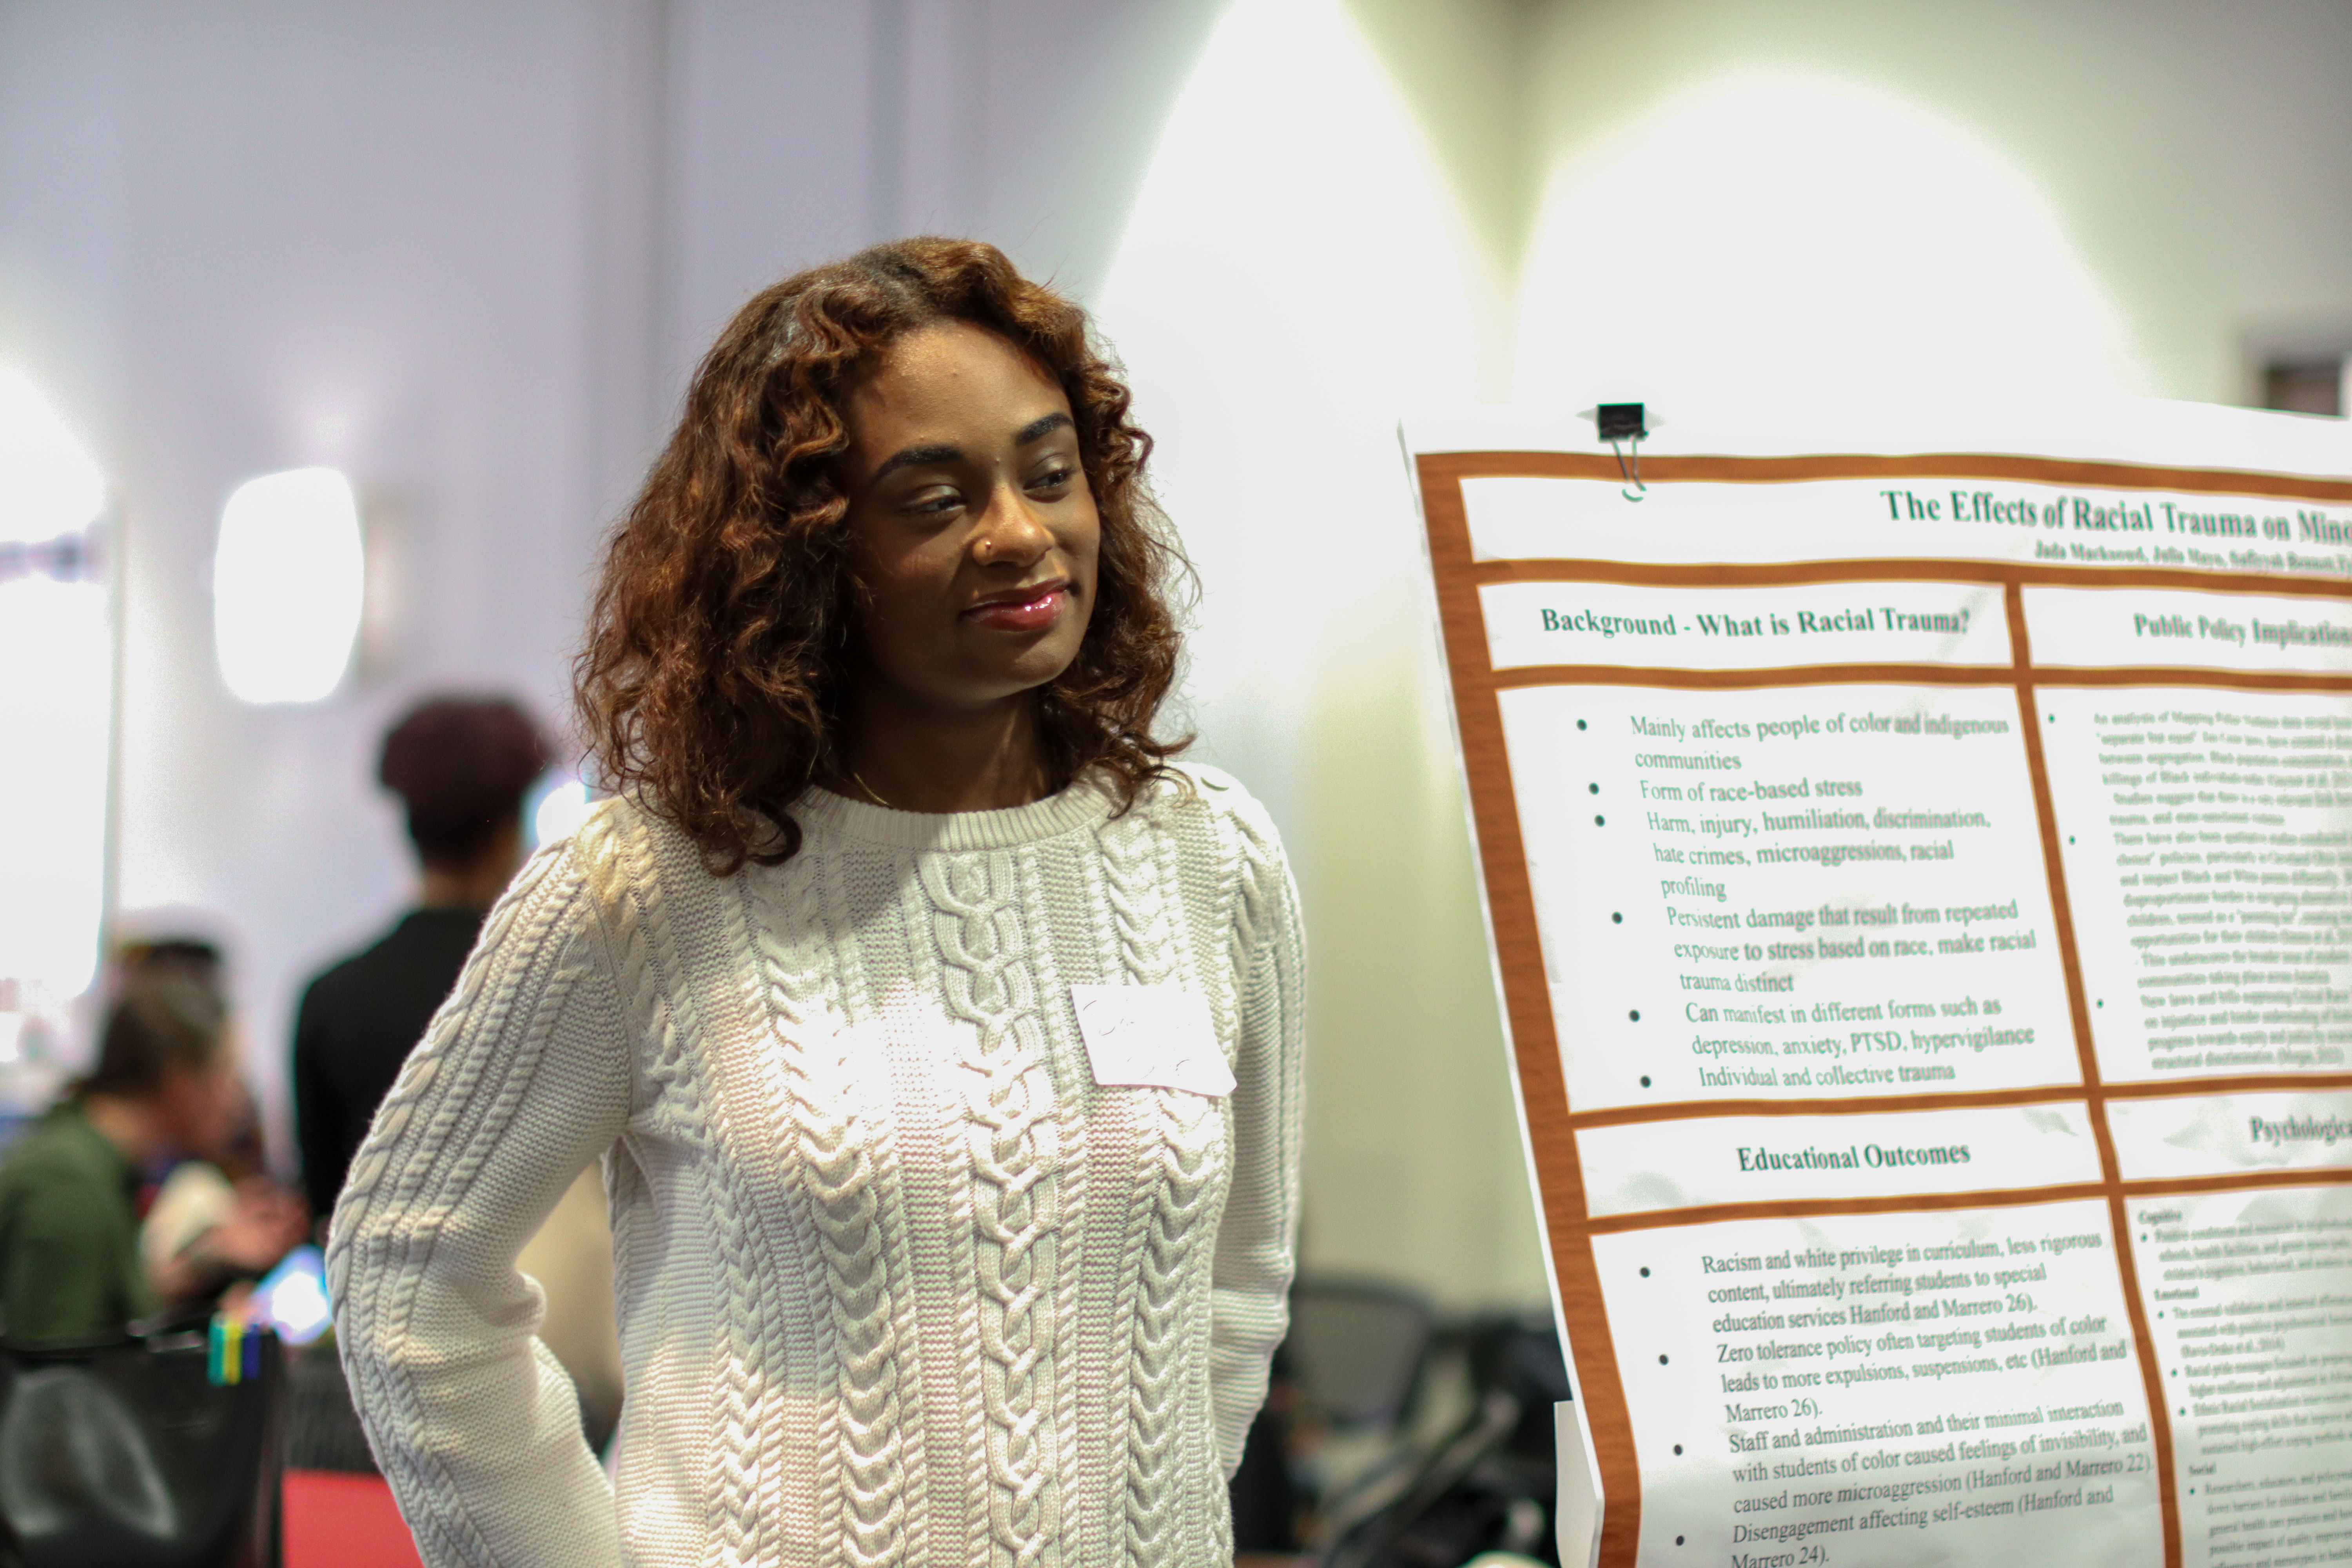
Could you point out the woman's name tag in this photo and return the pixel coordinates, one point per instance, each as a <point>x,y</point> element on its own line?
<point>1155,1037</point>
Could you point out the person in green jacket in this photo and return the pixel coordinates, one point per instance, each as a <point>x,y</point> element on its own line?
<point>166,1084</point>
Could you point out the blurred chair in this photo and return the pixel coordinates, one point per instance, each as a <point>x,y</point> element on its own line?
<point>1483,1483</point>
<point>1341,1387</point>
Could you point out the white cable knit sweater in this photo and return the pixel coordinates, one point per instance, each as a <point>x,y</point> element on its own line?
<point>900,1283</point>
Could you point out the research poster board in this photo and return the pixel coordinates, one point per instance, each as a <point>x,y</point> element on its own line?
<point>1918,861</point>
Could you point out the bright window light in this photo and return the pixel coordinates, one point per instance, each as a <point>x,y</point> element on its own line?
<point>562,807</point>
<point>49,485</point>
<point>56,692</point>
<point>56,686</point>
<point>1782,238</point>
<point>288,578</point>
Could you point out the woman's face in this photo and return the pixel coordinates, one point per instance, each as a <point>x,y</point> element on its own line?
<point>972,531</point>
<point>202,1106</point>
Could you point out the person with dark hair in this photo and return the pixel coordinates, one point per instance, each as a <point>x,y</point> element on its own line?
<point>461,768</point>
<point>166,1083</point>
<point>198,958</point>
<point>940,1034</point>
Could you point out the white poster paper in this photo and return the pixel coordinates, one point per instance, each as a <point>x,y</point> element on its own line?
<point>1921,890</point>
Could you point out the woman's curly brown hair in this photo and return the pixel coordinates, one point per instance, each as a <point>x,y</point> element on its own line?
<point>713,674</point>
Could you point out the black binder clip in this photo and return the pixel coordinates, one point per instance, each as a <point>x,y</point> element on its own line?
<point>1623,426</point>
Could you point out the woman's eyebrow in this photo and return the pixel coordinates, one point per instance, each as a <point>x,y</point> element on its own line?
<point>1037,429</point>
<point>915,458</point>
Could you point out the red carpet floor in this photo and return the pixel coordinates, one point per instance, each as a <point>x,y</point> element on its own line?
<point>335,1520</point>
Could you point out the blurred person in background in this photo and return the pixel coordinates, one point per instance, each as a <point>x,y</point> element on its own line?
<point>197,1194</point>
<point>461,767</point>
<point>165,1085</point>
<point>197,957</point>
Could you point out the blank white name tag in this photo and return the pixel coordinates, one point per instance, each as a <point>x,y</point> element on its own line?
<point>1157,1037</point>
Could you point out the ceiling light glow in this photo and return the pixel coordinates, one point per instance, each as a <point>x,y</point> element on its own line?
<point>289,580</point>
<point>1289,141</point>
<point>1776,239</point>
<point>56,662</point>
<point>49,484</point>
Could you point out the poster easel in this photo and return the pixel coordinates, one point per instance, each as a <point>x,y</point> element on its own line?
<point>1940,586</point>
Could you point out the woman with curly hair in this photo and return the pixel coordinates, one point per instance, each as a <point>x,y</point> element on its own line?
<point>940,1035</point>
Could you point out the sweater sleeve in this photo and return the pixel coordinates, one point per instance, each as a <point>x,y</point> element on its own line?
<point>521,1081</point>
<point>1257,1242</point>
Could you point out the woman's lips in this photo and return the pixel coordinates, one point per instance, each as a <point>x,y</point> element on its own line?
<point>1033,612</point>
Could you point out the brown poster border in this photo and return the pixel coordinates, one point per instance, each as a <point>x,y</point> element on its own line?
<point>2062,914</point>
<point>1958,1099</point>
<point>1552,1122</point>
<point>1983,1199</point>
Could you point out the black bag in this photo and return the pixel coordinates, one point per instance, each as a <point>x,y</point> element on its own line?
<point>127,1455</point>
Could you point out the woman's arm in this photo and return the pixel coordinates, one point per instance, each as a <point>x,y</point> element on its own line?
<point>1257,1243</point>
<point>521,1080</point>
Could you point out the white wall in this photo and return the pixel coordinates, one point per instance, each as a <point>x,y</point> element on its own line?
<point>2192,153</point>
<point>802,128</point>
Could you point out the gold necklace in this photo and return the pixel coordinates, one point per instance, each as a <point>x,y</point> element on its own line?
<point>869,789</point>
